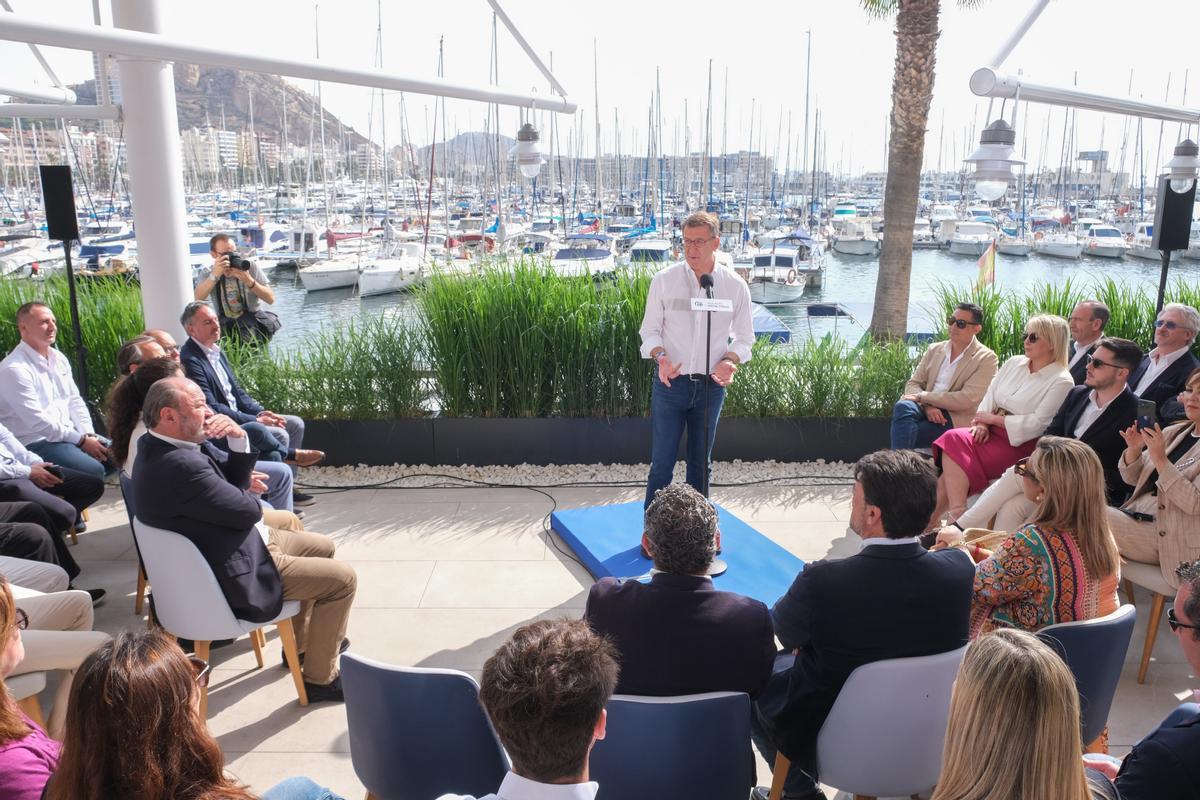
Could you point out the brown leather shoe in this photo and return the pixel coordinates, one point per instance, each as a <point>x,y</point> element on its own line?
<point>307,458</point>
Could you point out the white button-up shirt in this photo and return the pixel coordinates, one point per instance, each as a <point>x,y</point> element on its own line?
<point>1091,412</point>
<point>38,398</point>
<point>514,787</point>
<point>15,460</point>
<point>213,354</point>
<point>1080,351</point>
<point>946,374</point>
<point>1156,367</point>
<point>670,323</point>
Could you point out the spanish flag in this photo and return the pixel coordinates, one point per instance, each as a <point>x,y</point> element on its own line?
<point>987,267</point>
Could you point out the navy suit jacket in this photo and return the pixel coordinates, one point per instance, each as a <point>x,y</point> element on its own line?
<point>1164,389</point>
<point>188,492</point>
<point>1164,764</point>
<point>1103,435</point>
<point>679,635</point>
<point>198,369</point>
<point>888,601</point>
<point>1079,368</point>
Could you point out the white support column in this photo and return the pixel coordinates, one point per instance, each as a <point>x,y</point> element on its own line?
<point>155,172</point>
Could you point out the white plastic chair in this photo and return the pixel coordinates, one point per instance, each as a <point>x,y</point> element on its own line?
<point>189,603</point>
<point>25,690</point>
<point>885,733</point>
<point>1148,576</point>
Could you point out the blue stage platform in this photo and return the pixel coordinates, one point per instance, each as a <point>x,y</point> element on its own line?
<point>607,540</point>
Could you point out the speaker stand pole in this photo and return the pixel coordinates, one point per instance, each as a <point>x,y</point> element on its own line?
<point>1162,281</point>
<point>80,347</point>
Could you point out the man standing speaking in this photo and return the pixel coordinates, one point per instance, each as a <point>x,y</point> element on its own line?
<point>673,335</point>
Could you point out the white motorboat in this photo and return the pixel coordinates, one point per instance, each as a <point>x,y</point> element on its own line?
<point>585,254</point>
<point>1193,251</point>
<point>650,255</point>
<point>1105,241</point>
<point>399,272</point>
<point>1014,245</point>
<point>972,238</point>
<point>1142,243</point>
<point>940,213</point>
<point>780,274</point>
<point>340,272</point>
<point>1057,245</point>
<point>854,237</point>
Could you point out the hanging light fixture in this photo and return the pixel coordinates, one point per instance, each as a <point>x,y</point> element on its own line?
<point>1183,166</point>
<point>526,153</point>
<point>994,160</point>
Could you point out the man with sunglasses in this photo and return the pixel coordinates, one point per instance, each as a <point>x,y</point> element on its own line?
<point>1164,371</point>
<point>945,389</point>
<point>1087,322</point>
<point>1095,414</point>
<point>1167,762</point>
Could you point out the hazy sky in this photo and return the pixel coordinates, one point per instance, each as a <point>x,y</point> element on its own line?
<point>760,45</point>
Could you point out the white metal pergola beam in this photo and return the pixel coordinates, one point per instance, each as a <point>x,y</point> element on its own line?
<point>43,94</point>
<point>51,111</point>
<point>151,46</point>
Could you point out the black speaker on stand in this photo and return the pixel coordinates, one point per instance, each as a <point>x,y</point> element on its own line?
<point>1172,225</point>
<point>58,200</point>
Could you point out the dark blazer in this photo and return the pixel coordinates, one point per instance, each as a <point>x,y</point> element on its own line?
<point>888,601</point>
<point>679,635</point>
<point>1079,368</point>
<point>197,367</point>
<point>1166,387</point>
<point>188,492</point>
<point>1164,764</point>
<point>1103,435</point>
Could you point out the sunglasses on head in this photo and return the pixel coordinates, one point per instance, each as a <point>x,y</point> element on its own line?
<point>958,323</point>
<point>202,670</point>
<point>1031,337</point>
<point>1175,624</point>
<point>1022,468</point>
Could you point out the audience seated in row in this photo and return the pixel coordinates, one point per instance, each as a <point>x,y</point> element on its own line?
<point>256,566</point>
<point>1013,732</point>
<point>947,385</point>
<point>666,631</point>
<point>25,533</point>
<point>1019,403</point>
<point>1061,567</point>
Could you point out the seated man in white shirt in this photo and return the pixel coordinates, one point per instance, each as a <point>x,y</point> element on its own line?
<point>1165,370</point>
<point>39,401</point>
<point>545,690</point>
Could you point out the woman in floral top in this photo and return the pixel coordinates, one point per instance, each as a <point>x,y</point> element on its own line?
<point>1061,567</point>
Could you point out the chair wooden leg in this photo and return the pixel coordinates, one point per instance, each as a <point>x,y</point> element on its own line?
<point>140,598</point>
<point>1128,585</point>
<point>74,535</point>
<point>202,652</point>
<point>1156,612</point>
<point>782,765</point>
<point>864,797</point>
<point>254,640</point>
<point>32,709</point>
<point>287,635</point>
<point>371,796</point>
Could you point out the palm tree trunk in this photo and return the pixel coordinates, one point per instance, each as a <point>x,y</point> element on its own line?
<point>912,91</point>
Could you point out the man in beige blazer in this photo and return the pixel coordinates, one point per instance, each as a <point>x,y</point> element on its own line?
<point>945,390</point>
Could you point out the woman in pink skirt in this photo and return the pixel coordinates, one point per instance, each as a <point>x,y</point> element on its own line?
<point>1019,404</point>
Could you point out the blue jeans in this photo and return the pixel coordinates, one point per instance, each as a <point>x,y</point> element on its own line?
<point>671,408</point>
<point>798,782</point>
<point>299,789</point>
<point>68,455</point>
<point>291,435</point>
<point>261,439</point>
<point>910,428</point>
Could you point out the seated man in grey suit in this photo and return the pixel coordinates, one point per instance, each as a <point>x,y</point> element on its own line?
<point>677,634</point>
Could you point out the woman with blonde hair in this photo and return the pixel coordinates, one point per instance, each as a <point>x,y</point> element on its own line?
<point>1061,567</point>
<point>1020,402</point>
<point>1013,732</point>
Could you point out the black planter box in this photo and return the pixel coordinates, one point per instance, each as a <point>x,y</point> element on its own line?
<point>481,441</point>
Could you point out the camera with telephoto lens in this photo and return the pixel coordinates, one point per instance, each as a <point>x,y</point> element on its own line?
<point>237,262</point>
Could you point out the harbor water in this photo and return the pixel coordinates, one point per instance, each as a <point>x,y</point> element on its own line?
<point>849,280</point>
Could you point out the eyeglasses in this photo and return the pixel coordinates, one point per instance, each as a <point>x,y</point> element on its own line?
<point>958,323</point>
<point>1097,363</point>
<point>172,349</point>
<point>22,620</point>
<point>1166,323</point>
<point>1022,468</point>
<point>202,669</point>
<point>1175,624</point>
<point>696,242</point>
<point>1031,338</point>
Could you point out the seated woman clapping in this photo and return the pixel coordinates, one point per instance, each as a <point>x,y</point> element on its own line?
<point>134,731</point>
<point>1061,567</point>
<point>1020,402</point>
<point>1160,522</point>
<point>1013,732</point>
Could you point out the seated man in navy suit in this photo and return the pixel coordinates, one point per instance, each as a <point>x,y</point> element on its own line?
<point>277,437</point>
<point>1165,370</point>
<point>677,634</point>
<point>894,599</point>
<point>181,487</point>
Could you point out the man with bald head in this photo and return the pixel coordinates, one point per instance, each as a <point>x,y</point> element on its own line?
<point>182,488</point>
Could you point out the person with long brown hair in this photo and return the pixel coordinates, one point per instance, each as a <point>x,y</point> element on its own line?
<point>1013,732</point>
<point>134,731</point>
<point>1061,567</point>
<point>27,754</point>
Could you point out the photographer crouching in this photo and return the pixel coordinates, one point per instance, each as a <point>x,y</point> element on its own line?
<point>238,288</point>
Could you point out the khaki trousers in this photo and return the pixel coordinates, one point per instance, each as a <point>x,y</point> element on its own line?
<point>1139,541</point>
<point>325,587</point>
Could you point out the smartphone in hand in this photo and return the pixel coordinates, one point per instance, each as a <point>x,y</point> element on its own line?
<point>1147,414</point>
